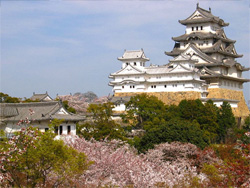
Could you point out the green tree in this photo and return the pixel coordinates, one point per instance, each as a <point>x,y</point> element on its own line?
<point>191,109</point>
<point>29,100</point>
<point>5,98</point>
<point>173,130</point>
<point>103,126</point>
<point>247,124</point>
<point>68,108</point>
<point>142,108</point>
<point>36,159</point>
<point>226,121</point>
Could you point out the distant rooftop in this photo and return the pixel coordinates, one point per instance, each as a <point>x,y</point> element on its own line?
<point>134,54</point>
<point>41,97</point>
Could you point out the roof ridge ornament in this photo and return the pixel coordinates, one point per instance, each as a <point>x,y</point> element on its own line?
<point>197,5</point>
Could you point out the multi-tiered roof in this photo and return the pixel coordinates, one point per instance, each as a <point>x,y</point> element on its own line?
<point>207,42</point>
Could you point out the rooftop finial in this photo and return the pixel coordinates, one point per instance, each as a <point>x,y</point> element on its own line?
<point>209,9</point>
<point>197,5</point>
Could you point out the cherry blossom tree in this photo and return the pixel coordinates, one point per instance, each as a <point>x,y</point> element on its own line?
<point>35,159</point>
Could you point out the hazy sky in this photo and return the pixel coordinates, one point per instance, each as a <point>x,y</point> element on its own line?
<point>68,46</point>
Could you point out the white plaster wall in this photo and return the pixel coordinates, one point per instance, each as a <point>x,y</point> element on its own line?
<point>119,108</point>
<point>139,64</point>
<point>232,71</point>
<point>11,128</point>
<point>215,69</point>
<point>232,104</point>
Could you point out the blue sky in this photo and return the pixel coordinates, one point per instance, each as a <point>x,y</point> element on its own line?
<point>72,46</point>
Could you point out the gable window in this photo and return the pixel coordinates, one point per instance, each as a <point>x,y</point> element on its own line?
<point>127,63</point>
<point>135,63</point>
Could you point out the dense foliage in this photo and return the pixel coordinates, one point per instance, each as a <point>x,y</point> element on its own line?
<point>5,98</point>
<point>103,126</point>
<point>35,159</point>
<point>191,121</point>
<point>172,149</point>
<point>67,107</point>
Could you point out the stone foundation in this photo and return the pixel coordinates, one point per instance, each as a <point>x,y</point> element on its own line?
<point>242,110</point>
<point>176,97</point>
<point>168,97</point>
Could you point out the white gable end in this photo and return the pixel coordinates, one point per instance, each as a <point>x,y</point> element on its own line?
<point>196,15</point>
<point>61,111</point>
<point>178,68</point>
<point>47,98</point>
<point>195,56</point>
<point>128,70</point>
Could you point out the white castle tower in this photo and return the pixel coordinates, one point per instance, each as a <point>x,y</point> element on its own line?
<point>203,67</point>
<point>216,56</point>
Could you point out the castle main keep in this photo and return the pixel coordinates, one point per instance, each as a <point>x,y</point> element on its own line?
<point>203,66</point>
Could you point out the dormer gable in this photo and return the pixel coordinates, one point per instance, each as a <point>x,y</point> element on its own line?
<point>62,111</point>
<point>129,69</point>
<point>201,15</point>
<point>196,55</point>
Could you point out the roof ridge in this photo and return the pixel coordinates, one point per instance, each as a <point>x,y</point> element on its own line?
<point>30,104</point>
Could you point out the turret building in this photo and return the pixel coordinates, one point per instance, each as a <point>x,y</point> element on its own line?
<point>203,66</point>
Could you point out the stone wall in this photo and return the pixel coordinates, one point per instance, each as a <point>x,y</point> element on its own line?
<point>219,93</point>
<point>242,110</point>
<point>168,97</point>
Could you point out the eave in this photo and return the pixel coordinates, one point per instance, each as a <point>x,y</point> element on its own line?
<point>201,36</point>
<point>204,20</point>
<point>225,77</point>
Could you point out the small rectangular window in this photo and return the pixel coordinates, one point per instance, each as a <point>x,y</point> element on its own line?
<point>197,28</point>
<point>69,129</point>
<point>46,129</point>
<point>192,28</point>
<point>61,130</point>
<point>201,27</point>
<point>135,63</point>
<point>56,130</point>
